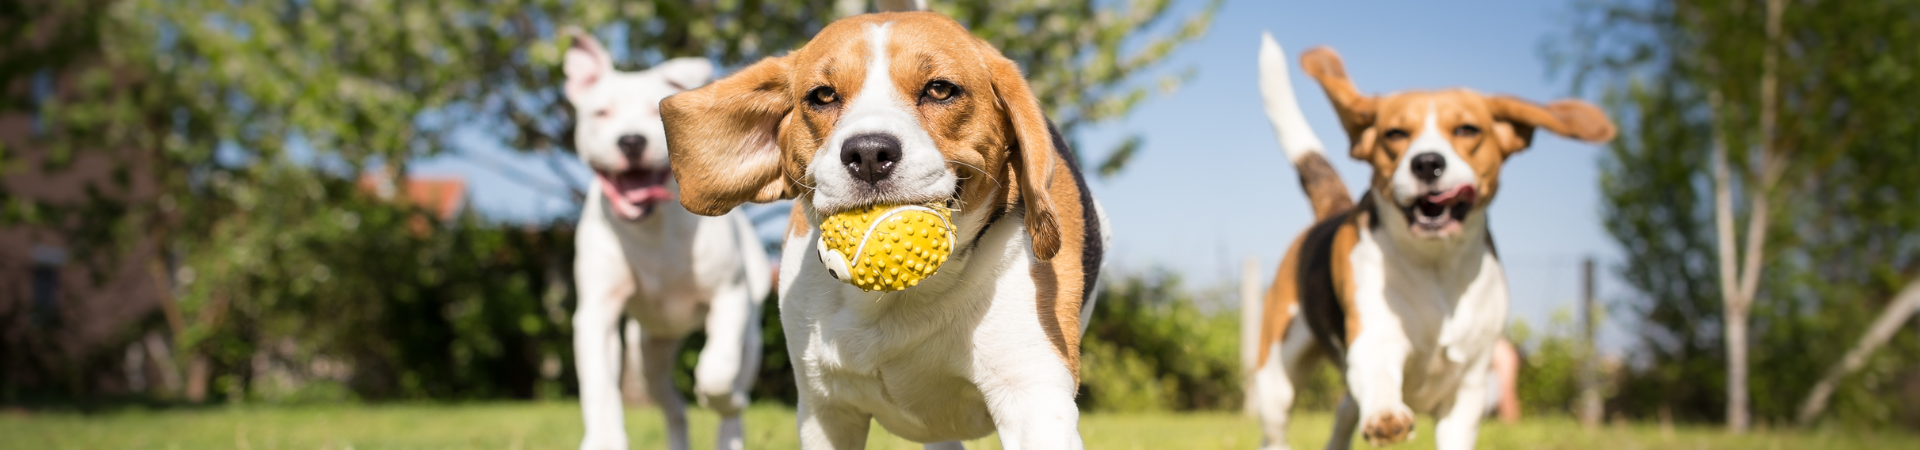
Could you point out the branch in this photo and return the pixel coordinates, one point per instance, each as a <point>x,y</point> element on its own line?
<point>1723,206</point>
<point>1896,313</point>
<point>1770,164</point>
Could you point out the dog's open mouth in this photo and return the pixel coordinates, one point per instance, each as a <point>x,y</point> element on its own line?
<point>1441,211</point>
<point>634,192</point>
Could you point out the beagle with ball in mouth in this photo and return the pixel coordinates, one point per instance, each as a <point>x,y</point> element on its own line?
<point>909,109</point>
<point>1402,291</point>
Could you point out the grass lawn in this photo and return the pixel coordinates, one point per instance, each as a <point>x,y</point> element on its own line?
<point>557,426</point>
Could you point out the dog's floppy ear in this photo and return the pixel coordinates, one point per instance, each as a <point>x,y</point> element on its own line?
<point>724,139</point>
<point>586,64</point>
<point>1571,118</point>
<point>1033,158</point>
<point>1356,111</point>
<point>686,73</point>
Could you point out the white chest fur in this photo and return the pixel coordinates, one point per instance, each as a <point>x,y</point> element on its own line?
<point>675,260</point>
<point>1444,309</point>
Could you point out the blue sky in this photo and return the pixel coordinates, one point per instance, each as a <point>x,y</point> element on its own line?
<point>1211,186</point>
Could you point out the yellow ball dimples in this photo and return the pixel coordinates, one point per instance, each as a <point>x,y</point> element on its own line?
<point>886,247</point>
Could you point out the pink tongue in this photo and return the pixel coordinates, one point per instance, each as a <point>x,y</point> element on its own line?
<point>1464,194</point>
<point>633,193</point>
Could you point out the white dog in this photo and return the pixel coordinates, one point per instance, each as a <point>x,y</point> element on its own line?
<point>909,108</point>
<point>641,253</point>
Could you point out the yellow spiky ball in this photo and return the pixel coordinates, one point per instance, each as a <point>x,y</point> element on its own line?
<point>887,247</point>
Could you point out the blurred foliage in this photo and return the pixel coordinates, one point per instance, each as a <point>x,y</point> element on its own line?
<point>1549,379</point>
<point>1845,236</point>
<point>252,119</point>
<point>1151,345</point>
<point>351,291</point>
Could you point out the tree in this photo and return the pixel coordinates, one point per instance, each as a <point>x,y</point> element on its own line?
<point>1787,120</point>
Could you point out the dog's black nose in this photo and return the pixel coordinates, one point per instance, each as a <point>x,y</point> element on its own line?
<point>631,145</point>
<point>1428,166</point>
<point>870,157</point>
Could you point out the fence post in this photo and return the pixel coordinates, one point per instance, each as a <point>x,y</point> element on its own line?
<point>1591,410</point>
<point>1250,312</point>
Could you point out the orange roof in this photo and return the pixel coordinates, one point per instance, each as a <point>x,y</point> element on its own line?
<point>442,195</point>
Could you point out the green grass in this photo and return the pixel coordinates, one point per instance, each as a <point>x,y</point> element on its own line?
<point>557,426</point>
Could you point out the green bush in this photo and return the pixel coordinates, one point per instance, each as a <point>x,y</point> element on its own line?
<point>1152,345</point>
<point>1549,379</point>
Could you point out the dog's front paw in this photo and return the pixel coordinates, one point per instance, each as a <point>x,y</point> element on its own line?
<point>603,442</point>
<point>1388,427</point>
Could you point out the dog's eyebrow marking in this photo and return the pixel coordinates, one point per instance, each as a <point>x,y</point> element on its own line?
<point>878,77</point>
<point>1431,123</point>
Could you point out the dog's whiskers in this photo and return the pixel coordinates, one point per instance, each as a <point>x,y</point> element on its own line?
<point>977,169</point>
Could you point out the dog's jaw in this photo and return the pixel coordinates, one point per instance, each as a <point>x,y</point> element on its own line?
<point>1440,214</point>
<point>634,193</point>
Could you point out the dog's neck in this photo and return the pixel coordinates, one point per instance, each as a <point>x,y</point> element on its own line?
<point>1457,250</point>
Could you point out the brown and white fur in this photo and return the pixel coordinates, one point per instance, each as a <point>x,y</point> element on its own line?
<point>909,108</point>
<point>1402,291</point>
<point>642,255</point>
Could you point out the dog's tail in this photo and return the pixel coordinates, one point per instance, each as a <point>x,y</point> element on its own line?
<point>1325,191</point>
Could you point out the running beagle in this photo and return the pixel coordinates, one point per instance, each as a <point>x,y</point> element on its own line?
<point>900,108</point>
<point>1402,291</point>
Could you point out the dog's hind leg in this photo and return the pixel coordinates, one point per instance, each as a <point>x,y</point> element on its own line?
<point>656,363</point>
<point>1459,424</point>
<point>1345,419</point>
<point>1288,362</point>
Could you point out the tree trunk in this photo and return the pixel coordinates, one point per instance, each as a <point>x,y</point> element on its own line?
<point>1734,320</point>
<point>1739,286</point>
<point>1883,328</point>
<point>1738,416</point>
<point>199,375</point>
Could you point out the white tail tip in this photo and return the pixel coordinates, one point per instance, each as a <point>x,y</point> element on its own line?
<point>1283,108</point>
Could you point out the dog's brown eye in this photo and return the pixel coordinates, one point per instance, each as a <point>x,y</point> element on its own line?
<point>940,90</point>
<point>1395,134</point>
<point>602,112</point>
<point>1466,131</point>
<point>822,96</point>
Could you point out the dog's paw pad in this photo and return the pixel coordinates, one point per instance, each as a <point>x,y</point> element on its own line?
<point>1388,427</point>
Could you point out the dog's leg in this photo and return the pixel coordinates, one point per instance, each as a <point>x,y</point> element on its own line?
<point>1034,416</point>
<point>1375,369</point>
<point>1345,419</point>
<point>656,365</point>
<point>1288,362</point>
<point>831,428</point>
<point>729,361</point>
<point>596,352</point>
<point>631,388</point>
<point>1459,427</point>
